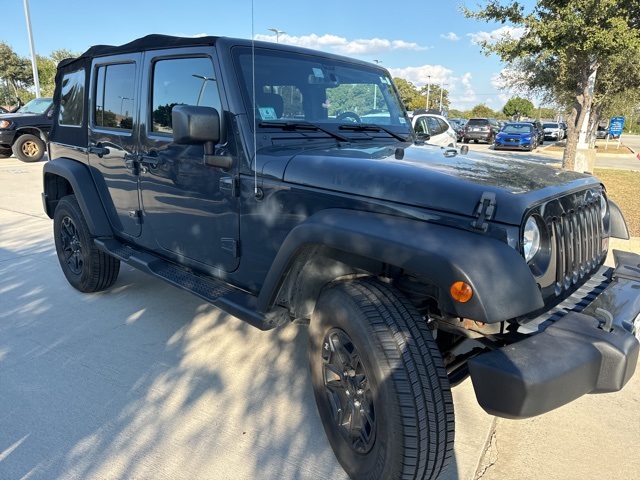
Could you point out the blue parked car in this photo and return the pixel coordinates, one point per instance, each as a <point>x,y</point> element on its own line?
<point>520,136</point>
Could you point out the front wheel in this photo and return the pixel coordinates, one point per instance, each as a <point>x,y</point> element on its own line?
<point>86,268</point>
<point>380,383</point>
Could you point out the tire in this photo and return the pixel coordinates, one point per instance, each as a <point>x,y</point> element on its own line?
<point>465,140</point>
<point>87,269</point>
<point>475,140</point>
<point>5,152</point>
<point>491,140</point>
<point>380,383</point>
<point>29,148</point>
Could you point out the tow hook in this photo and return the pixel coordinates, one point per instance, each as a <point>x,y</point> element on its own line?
<point>607,317</point>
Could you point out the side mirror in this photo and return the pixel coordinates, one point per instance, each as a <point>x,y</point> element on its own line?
<point>195,125</point>
<point>424,137</point>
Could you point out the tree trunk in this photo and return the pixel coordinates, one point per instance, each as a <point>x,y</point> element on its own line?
<point>581,105</point>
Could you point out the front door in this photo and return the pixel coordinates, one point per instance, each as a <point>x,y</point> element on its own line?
<point>189,216</point>
<point>113,139</point>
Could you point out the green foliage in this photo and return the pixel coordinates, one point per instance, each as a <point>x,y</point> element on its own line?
<point>482,111</point>
<point>518,107</point>
<point>409,94</point>
<point>16,73</point>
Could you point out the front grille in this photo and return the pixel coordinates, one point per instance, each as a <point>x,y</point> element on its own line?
<point>577,238</point>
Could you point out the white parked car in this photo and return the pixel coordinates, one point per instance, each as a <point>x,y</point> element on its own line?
<point>437,127</point>
<point>553,131</point>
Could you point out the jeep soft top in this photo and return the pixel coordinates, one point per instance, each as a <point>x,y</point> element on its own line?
<point>242,172</point>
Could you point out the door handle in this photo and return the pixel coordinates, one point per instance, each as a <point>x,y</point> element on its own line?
<point>150,160</point>
<point>98,149</point>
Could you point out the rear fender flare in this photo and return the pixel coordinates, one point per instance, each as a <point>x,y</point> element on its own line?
<point>79,178</point>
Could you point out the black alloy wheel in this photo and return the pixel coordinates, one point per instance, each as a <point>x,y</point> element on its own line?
<point>86,267</point>
<point>380,383</point>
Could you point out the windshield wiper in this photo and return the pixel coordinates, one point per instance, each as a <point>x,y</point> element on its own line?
<point>288,125</point>
<point>372,127</point>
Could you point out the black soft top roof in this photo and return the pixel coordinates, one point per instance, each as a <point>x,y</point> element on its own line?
<point>150,42</point>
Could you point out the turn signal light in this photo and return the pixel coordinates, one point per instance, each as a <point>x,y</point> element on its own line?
<point>461,292</point>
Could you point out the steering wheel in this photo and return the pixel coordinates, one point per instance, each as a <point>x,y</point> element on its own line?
<point>350,115</point>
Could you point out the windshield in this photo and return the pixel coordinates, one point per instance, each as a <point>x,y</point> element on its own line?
<point>550,125</point>
<point>517,128</point>
<point>292,87</point>
<point>37,105</point>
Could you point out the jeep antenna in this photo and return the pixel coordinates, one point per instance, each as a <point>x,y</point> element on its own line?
<point>253,80</point>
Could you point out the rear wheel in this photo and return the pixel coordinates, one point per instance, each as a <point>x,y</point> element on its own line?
<point>380,384</point>
<point>29,148</point>
<point>86,268</point>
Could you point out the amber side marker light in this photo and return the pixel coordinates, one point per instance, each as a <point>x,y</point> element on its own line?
<point>461,292</point>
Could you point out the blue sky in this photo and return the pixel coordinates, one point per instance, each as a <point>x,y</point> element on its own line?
<point>413,39</point>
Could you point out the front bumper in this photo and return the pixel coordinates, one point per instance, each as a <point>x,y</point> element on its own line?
<point>573,356</point>
<point>6,138</point>
<point>516,145</point>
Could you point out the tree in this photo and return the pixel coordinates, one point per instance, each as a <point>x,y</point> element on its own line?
<point>563,45</point>
<point>409,94</point>
<point>15,71</point>
<point>482,111</point>
<point>518,107</point>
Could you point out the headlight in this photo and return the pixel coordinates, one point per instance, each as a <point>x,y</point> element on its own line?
<point>5,124</point>
<point>528,137</point>
<point>531,239</point>
<point>603,206</point>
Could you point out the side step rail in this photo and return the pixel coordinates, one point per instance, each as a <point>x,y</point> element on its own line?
<point>220,294</point>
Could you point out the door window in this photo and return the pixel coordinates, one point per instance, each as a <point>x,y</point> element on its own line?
<point>181,81</point>
<point>114,96</point>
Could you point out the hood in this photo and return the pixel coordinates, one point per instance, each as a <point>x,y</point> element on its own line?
<point>425,176</point>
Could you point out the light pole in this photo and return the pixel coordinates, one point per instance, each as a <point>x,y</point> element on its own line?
<point>204,83</point>
<point>34,66</point>
<point>441,91</point>
<point>428,91</point>
<point>277,32</point>
<point>122,99</point>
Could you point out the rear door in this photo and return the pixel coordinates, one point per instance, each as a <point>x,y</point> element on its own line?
<point>113,136</point>
<point>188,214</point>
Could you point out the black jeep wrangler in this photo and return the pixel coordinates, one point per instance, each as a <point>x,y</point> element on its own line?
<point>242,172</point>
<point>25,132</point>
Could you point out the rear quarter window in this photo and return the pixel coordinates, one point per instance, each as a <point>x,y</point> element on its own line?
<point>72,99</point>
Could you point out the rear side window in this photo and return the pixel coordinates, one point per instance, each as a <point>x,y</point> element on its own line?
<point>72,99</point>
<point>181,81</point>
<point>114,96</point>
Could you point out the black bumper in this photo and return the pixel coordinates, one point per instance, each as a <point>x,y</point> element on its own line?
<point>590,352</point>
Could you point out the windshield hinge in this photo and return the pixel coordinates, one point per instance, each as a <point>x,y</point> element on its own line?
<point>484,211</point>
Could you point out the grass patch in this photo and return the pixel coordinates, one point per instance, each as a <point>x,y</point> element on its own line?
<point>622,188</point>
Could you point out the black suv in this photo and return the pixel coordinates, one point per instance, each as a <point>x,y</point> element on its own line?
<point>25,132</point>
<point>484,129</point>
<point>242,172</point>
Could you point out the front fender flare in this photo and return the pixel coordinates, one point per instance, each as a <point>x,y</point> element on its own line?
<point>503,286</point>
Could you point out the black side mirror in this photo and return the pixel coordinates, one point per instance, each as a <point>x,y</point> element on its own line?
<point>425,137</point>
<point>195,125</point>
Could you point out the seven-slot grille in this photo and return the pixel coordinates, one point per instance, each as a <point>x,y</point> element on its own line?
<point>577,237</point>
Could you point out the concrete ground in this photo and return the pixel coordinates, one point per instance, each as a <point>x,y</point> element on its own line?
<point>145,381</point>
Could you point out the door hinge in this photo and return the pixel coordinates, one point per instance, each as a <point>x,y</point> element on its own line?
<point>485,211</point>
<point>230,245</point>
<point>229,186</point>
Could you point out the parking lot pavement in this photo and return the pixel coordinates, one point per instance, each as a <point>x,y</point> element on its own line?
<point>146,381</point>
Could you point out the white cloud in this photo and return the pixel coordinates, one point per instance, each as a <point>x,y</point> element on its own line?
<point>450,36</point>
<point>469,94</point>
<point>496,35</point>
<point>420,76</point>
<point>333,43</point>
